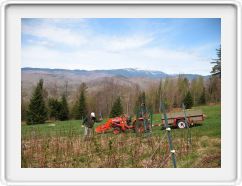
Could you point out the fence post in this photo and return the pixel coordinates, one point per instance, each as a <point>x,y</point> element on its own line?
<point>189,138</point>
<point>168,129</point>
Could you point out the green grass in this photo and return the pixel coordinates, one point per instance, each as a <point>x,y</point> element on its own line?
<point>57,128</point>
<point>60,144</point>
<point>212,123</point>
<point>210,127</point>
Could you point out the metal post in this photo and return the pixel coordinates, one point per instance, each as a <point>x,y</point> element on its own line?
<point>168,129</point>
<point>189,138</point>
<point>143,116</point>
<point>151,118</point>
<point>151,122</point>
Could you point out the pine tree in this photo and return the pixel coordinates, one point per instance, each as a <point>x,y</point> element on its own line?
<point>188,100</point>
<point>54,108</point>
<point>117,108</point>
<point>64,111</point>
<point>216,70</point>
<point>75,111</point>
<point>82,107</point>
<point>37,111</point>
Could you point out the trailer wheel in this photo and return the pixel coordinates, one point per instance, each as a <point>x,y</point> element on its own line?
<point>181,124</point>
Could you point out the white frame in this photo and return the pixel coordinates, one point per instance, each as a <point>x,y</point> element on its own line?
<point>237,4</point>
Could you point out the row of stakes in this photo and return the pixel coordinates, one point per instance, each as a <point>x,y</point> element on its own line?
<point>168,129</point>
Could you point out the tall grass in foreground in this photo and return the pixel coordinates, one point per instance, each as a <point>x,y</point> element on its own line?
<point>118,151</point>
<point>64,146</point>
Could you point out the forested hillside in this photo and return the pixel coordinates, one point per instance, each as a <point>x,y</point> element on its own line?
<point>102,88</point>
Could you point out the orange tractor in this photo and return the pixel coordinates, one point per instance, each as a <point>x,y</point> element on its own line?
<point>117,125</point>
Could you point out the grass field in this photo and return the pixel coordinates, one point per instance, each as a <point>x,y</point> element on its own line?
<point>61,144</point>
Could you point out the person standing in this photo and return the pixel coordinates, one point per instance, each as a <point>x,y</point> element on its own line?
<point>88,123</point>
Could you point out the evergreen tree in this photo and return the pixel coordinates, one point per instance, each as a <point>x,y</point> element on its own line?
<point>37,111</point>
<point>54,108</point>
<point>64,111</point>
<point>216,70</point>
<point>82,107</point>
<point>117,108</point>
<point>202,99</point>
<point>75,111</point>
<point>188,100</point>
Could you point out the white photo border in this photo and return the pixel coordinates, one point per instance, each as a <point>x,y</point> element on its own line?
<point>236,4</point>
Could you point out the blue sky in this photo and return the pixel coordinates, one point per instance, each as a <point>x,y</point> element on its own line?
<point>169,45</point>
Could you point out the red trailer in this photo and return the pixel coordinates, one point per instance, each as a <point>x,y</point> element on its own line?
<point>177,119</point>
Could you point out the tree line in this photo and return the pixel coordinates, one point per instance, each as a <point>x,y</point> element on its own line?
<point>112,99</point>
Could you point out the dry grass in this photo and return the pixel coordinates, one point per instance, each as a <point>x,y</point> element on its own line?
<point>117,151</point>
<point>63,146</point>
<point>112,151</point>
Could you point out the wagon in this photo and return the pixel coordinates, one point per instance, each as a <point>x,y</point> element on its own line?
<point>177,119</point>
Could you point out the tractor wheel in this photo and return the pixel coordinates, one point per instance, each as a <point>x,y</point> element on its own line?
<point>139,127</point>
<point>181,124</point>
<point>116,130</point>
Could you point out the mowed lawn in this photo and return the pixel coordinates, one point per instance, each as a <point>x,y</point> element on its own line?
<point>61,144</point>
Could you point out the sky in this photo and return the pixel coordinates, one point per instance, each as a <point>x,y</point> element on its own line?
<point>173,46</point>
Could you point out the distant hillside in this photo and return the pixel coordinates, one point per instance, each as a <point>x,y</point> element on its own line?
<point>127,73</point>
<point>56,80</point>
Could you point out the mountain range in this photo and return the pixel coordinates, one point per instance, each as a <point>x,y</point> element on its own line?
<point>56,79</point>
<point>126,73</point>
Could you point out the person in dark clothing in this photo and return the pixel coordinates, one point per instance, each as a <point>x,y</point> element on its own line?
<point>88,123</point>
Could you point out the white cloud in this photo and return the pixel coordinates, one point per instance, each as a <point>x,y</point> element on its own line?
<point>177,61</point>
<point>55,34</point>
<point>150,59</point>
<point>92,50</point>
<point>50,35</point>
<point>125,43</point>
